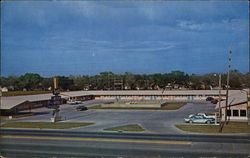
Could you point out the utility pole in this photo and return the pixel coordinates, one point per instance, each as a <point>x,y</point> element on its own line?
<point>228,72</point>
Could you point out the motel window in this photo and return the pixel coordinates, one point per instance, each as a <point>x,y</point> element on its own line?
<point>228,112</point>
<point>235,112</point>
<point>243,113</point>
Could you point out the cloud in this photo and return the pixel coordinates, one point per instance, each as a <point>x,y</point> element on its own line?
<point>189,25</point>
<point>76,43</point>
<point>81,44</point>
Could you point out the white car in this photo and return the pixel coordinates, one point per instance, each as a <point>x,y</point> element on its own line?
<point>78,102</point>
<point>206,115</point>
<point>199,119</point>
<point>202,114</point>
<point>74,102</point>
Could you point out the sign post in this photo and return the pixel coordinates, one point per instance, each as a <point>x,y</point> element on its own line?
<point>56,101</point>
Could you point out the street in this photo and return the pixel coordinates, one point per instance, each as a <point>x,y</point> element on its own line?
<point>54,143</point>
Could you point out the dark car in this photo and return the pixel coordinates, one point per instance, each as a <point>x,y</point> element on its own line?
<point>214,101</point>
<point>209,99</point>
<point>81,108</point>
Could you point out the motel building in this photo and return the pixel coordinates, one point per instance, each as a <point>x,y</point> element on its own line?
<point>237,109</point>
<point>13,105</point>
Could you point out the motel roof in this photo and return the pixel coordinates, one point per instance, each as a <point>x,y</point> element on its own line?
<point>144,92</point>
<point>10,102</point>
<point>234,98</point>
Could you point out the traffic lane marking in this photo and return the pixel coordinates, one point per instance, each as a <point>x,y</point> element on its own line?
<point>100,140</point>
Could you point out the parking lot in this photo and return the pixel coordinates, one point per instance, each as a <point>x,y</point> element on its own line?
<point>153,121</point>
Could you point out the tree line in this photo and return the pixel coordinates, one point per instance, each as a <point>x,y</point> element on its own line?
<point>126,81</point>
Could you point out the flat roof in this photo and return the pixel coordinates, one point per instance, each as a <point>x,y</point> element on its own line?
<point>10,102</point>
<point>146,92</point>
<point>234,98</point>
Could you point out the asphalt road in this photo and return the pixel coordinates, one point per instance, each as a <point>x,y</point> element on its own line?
<point>153,121</point>
<point>52,143</point>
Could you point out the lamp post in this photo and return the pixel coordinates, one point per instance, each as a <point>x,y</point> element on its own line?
<point>220,113</point>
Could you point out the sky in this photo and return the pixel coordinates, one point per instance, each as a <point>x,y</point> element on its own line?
<point>143,37</point>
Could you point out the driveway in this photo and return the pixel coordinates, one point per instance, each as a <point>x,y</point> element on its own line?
<point>153,121</point>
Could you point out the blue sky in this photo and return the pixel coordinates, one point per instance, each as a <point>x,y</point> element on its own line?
<point>88,37</point>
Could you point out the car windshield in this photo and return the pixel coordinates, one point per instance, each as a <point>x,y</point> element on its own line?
<point>124,79</point>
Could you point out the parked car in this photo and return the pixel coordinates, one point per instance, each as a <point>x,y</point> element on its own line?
<point>74,102</point>
<point>214,101</point>
<point>202,114</point>
<point>199,119</point>
<point>78,102</point>
<point>206,115</point>
<point>81,108</point>
<point>209,99</point>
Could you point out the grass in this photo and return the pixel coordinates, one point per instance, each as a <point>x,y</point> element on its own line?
<point>130,128</point>
<point>17,93</point>
<point>45,125</point>
<point>168,106</point>
<point>172,106</point>
<point>231,127</point>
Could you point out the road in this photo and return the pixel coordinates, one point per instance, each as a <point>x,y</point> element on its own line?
<point>53,143</point>
<point>153,121</point>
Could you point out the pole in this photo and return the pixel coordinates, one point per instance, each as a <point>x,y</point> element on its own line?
<point>228,72</point>
<point>56,100</point>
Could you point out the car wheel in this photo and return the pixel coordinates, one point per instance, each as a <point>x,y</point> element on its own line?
<point>190,121</point>
<point>208,122</point>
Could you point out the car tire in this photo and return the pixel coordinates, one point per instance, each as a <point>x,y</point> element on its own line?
<point>208,122</point>
<point>190,121</point>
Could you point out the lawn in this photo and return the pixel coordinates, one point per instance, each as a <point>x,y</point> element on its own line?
<point>172,106</point>
<point>231,127</point>
<point>17,93</point>
<point>45,125</point>
<point>168,106</point>
<point>130,128</point>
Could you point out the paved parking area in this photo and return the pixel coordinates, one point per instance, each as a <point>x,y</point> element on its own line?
<point>153,121</point>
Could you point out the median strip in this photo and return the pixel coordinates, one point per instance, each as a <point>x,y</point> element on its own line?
<point>128,128</point>
<point>46,125</point>
<point>98,140</point>
<point>231,127</point>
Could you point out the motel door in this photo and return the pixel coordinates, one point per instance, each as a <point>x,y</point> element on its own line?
<point>118,97</point>
<point>190,97</point>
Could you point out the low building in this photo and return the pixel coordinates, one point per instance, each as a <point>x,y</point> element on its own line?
<point>237,109</point>
<point>4,89</point>
<point>11,105</point>
<point>14,104</point>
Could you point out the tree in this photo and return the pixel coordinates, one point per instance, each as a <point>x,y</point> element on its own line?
<point>129,80</point>
<point>236,79</point>
<point>195,82</point>
<point>29,81</point>
<point>46,83</point>
<point>64,82</point>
